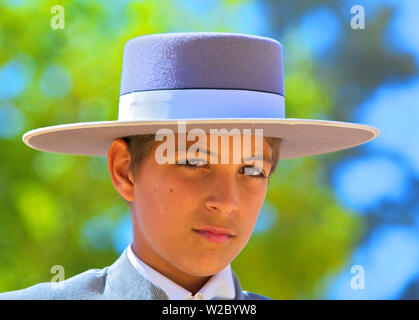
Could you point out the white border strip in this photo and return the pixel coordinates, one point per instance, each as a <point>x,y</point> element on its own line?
<point>200,104</point>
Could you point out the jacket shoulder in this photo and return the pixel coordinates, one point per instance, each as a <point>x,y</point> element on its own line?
<point>254,296</point>
<point>87,285</point>
<point>245,295</point>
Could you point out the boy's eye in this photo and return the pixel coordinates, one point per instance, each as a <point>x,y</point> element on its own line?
<point>194,163</point>
<point>254,172</point>
<point>197,163</point>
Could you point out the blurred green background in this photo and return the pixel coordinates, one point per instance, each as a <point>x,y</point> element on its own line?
<point>322,215</point>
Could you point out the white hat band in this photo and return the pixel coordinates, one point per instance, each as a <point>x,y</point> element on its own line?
<point>200,104</point>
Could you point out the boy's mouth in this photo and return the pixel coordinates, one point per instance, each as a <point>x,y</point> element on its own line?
<point>214,234</point>
<point>214,237</point>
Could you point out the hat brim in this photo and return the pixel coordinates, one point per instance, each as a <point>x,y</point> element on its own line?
<point>300,137</point>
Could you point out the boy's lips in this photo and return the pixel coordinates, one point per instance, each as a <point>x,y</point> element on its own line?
<point>215,234</point>
<point>215,230</point>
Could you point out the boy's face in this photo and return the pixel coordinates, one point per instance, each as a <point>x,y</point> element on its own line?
<point>170,201</point>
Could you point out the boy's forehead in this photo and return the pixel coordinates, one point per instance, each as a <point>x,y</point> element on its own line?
<point>229,144</point>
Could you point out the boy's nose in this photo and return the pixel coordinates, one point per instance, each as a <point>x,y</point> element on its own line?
<point>223,196</point>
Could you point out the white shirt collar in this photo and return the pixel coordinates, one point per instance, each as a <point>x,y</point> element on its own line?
<point>219,286</point>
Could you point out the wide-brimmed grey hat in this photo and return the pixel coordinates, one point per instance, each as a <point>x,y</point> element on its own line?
<point>212,80</point>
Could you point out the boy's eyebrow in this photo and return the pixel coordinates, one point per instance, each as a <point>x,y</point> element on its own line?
<point>263,158</point>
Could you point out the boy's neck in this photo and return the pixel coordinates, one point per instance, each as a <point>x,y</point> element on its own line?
<point>186,281</point>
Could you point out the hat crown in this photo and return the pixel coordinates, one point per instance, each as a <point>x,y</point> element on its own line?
<point>199,60</point>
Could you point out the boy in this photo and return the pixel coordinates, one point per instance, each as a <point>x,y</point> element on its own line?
<point>194,200</point>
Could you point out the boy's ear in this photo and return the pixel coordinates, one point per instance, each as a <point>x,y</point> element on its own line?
<point>119,160</point>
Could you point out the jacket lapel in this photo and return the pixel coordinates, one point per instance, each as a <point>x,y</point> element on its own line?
<point>126,283</point>
<point>237,287</point>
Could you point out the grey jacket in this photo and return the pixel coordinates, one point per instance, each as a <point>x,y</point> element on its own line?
<point>120,281</point>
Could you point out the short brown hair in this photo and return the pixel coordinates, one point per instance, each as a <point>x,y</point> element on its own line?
<point>141,145</point>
